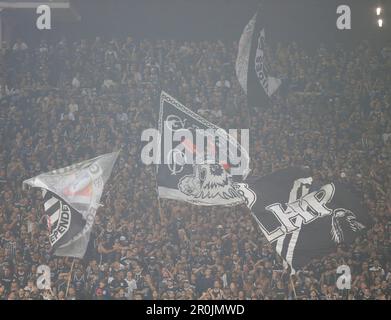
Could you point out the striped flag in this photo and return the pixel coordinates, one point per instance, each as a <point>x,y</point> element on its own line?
<point>63,221</point>
<point>302,218</point>
<point>71,197</point>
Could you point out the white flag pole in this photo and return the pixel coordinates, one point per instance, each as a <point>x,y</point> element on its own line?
<point>69,278</point>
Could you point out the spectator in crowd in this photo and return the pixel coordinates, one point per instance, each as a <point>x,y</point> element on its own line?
<point>65,102</point>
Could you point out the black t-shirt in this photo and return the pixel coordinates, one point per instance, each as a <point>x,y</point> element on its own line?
<point>21,278</point>
<point>302,292</point>
<point>109,237</point>
<point>6,281</point>
<point>125,261</point>
<point>61,285</point>
<point>280,293</point>
<point>359,295</point>
<point>140,281</point>
<point>204,284</point>
<point>115,284</point>
<point>107,256</point>
<point>123,284</point>
<point>79,283</point>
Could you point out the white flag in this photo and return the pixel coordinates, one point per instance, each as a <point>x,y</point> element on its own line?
<point>71,203</point>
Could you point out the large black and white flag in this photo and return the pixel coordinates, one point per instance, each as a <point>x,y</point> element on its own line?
<point>302,218</point>
<point>252,66</point>
<point>204,181</point>
<point>63,222</point>
<point>71,197</point>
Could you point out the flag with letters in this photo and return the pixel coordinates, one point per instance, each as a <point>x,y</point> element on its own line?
<point>71,196</point>
<point>302,218</point>
<point>206,182</point>
<point>252,66</point>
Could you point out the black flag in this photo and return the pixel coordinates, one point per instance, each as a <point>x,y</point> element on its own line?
<point>63,221</point>
<point>206,183</point>
<point>252,65</point>
<point>302,218</point>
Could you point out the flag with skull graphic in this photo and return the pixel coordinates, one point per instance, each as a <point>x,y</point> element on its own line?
<point>200,181</point>
<point>302,218</point>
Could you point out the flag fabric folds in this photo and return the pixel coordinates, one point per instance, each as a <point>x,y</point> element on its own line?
<point>63,221</point>
<point>207,183</point>
<point>252,66</point>
<point>302,218</point>
<point>71,197</point>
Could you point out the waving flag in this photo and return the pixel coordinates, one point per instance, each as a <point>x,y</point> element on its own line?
<point>71,197</point>
<point>63,221</point>
<point>252,66</point>
<point>302,218</point>
<point>203,183</point>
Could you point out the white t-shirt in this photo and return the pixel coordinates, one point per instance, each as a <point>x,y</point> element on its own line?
<point>132,285</point>
<point>75,83</point>
<point>73,107</point>
<point>225,83</point>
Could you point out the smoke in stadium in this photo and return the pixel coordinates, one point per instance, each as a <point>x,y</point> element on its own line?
<point>194,152</point>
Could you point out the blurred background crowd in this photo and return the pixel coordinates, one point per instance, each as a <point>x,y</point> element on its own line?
<point>63,102</point>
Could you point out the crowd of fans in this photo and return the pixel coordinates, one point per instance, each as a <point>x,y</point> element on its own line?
<point>66,102</point>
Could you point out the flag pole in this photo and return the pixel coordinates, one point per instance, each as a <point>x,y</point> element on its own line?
<point>293,286</point>
<point>52,293</point>
<point>161,216</point>
<point>69,278</point>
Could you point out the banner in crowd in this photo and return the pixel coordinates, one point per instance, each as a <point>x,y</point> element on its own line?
<point>252,68</point>
<point>71,197</point>
<point>207,183</point>
<point>302,218</point>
